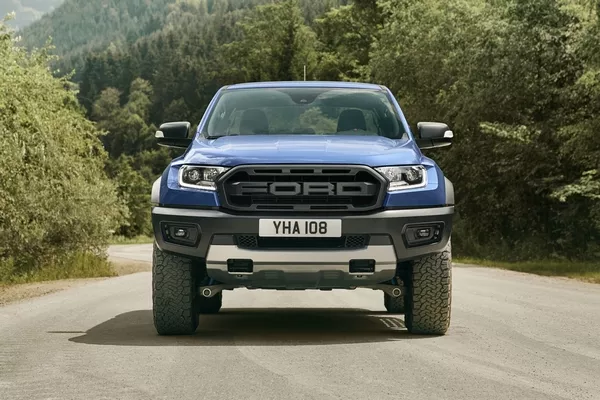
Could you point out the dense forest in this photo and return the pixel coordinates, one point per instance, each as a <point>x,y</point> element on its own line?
<point>27,11</point>
<point>517,80</point>
<point>79,27</point>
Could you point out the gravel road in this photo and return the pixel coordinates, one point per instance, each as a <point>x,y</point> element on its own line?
<point>513,336</point>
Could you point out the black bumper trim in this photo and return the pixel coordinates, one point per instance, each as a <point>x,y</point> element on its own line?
<point>374,240</point>
<point>216,226</point>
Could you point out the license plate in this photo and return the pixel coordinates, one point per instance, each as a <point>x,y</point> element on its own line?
<point>300,228</point>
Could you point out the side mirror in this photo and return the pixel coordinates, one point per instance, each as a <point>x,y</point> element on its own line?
<point>433,135</point>
<point>174,134</point>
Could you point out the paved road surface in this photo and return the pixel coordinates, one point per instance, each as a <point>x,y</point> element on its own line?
<point>513,336</point>
<point>134,252</point>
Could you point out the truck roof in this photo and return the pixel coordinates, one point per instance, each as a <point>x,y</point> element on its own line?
<point>313,84</point>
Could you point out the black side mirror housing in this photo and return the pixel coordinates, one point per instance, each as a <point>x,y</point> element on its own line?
<point>433,135</point>
<point>174,134</point>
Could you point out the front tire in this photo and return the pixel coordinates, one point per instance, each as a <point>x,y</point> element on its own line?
<point>429,296</point>
<point>173,294</point>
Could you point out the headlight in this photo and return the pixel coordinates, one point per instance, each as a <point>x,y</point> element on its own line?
<point>196,177</point>
<point>408,177</point>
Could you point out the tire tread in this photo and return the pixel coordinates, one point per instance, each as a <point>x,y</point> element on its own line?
<point>430,295</point>
<point>173,294</point>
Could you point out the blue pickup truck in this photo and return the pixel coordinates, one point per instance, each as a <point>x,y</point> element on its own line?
<point>302,185</point>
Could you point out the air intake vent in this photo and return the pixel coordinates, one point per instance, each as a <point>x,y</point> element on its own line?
<point>344,242</point>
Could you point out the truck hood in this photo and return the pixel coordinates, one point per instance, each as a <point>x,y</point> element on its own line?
<point>276,149</point>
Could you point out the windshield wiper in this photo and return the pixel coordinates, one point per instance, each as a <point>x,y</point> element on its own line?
<point>211,137</point>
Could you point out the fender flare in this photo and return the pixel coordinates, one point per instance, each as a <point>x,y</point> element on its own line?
<point>155,196</point>
<point>449,192</point>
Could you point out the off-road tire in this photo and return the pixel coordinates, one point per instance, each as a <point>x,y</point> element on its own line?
<point>173,294</point>
<point>210,305</point>
<point>393,305</point>
<point>429,296</point>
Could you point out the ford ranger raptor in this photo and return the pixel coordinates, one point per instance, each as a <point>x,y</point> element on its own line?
<point>302,185</point>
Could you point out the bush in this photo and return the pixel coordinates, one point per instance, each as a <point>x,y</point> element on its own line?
<point>134,191</point>
<point>55,198</point>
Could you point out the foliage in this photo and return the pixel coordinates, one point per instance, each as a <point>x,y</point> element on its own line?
<point>135,161</point>
<point>26,11</point>
<point>71,266</point>
<point>79,26</point>
<point>128,132</point>
<point>55,197</point>
<point>503,75</point>
<point>133,190</point>
<point>517,80</point>
<point>346,36</point>
<point>276,45</point>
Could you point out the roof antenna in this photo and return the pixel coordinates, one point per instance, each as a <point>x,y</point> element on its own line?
<point>305,72</point>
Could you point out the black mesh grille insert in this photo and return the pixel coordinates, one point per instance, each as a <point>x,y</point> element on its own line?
<point>247,241</point>
<point>302,188</point>
<point>355,242</point>
<point>344,242</point>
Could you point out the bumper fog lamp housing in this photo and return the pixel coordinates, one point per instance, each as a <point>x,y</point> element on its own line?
<point>179,233</point>
<point>423,234</point>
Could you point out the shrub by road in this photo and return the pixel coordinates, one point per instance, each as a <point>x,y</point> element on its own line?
<point>57,206</point>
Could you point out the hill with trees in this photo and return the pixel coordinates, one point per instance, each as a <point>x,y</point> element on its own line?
<point>517,80</point>
<point>78,27</point>
<point>81,27</point>
<point>27,11</point>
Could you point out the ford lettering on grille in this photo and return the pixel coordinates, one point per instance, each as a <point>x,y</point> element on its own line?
<point>305,188</point>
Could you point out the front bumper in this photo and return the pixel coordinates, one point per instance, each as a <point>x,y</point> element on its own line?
<point>288,268</point>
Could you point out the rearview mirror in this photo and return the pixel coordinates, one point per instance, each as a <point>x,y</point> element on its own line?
<point>174,134</point>
<point>433,135</point>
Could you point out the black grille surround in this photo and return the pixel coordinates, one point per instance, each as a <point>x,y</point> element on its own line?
<point>293,243</point>
<point>302,188</point>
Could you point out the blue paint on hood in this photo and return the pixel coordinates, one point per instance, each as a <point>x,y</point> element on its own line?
<point>296,149</point>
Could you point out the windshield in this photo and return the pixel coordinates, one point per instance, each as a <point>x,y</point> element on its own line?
<point>304,111</point>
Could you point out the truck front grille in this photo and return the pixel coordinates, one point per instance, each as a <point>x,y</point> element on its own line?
<point>292,243</point>
<point>302,188</point>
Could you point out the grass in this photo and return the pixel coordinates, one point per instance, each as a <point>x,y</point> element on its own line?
<point>134,240</point>
<point>583,271</point>
<point>61,275</point>
<point>75,266</point>
<point>81,265</point>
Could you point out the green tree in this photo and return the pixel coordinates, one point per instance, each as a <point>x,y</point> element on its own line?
<point>345,52</point>
<point>127,130</point>
<point>135,162</point>
<point>276,45</point>
<point>502,74</point>
<point>56,199</point>
<point>133,189</point>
